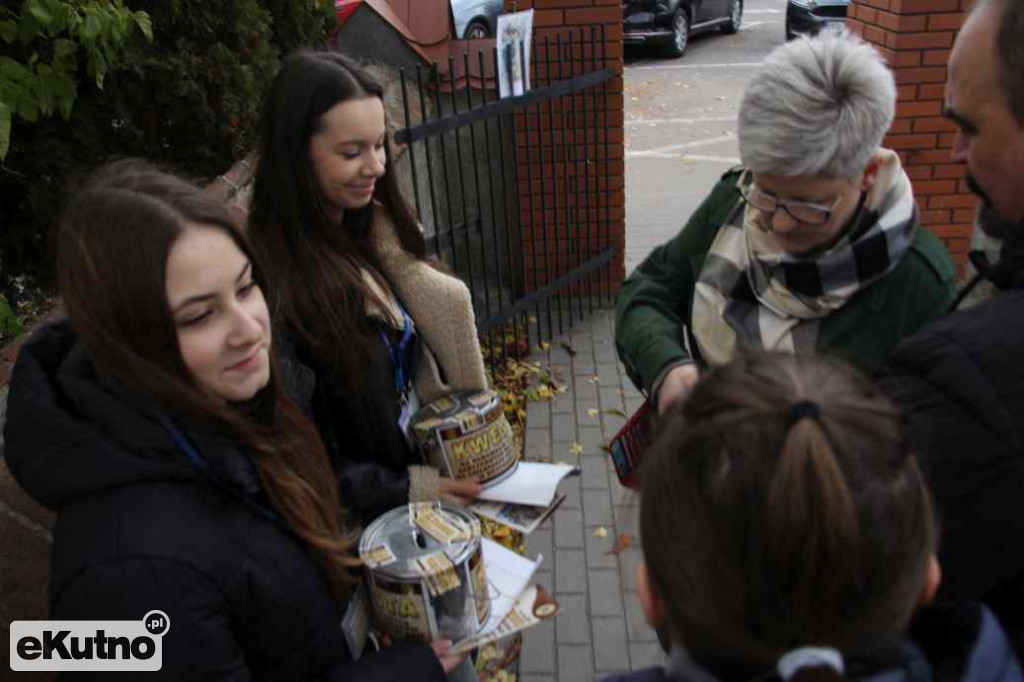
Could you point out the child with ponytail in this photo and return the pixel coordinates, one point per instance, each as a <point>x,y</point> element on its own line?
<point>788,534</point>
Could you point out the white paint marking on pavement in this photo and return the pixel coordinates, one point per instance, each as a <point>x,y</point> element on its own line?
<point>731,160</point>
<point>682,121</point>
<point>735,65</point>
<point>668,149</point>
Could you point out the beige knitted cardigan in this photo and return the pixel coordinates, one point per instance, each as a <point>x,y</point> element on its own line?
<point>442,310</point>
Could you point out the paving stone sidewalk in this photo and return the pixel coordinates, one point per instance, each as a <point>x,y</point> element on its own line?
<point>601,628</point>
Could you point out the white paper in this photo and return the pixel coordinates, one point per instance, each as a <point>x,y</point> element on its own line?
<point>515,32</point>
<point>519,618</point>
<point>508,575</point>
<point>533,483</point>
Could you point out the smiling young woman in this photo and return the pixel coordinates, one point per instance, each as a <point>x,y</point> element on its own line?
<point>354,295</point>
<point>155,422</point>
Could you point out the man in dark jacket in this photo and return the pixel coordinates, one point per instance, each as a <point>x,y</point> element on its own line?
<point>961,380</point>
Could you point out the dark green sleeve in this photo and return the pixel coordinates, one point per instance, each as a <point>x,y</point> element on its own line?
<point>653,306</point>
<point>931,283</point>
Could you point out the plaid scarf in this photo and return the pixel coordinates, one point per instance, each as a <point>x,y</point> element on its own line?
<point>750,295</point>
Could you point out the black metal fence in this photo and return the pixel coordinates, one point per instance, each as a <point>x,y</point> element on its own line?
<point>510,190</point>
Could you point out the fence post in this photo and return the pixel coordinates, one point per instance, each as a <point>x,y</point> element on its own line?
<point>601,152</point>
<point>915,36</point>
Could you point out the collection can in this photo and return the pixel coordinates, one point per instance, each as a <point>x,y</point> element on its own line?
<point>466,435</point>
<point>403,601</point>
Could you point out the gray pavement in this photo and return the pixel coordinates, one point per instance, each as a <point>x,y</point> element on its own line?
<point>601,628</point>
<point>680,137</point>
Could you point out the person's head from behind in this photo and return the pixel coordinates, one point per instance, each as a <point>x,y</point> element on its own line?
<point>811,123</point>
<point>324,140</point>
<point>162,288</point>
<point>781,509</point>
<point>985,99</point>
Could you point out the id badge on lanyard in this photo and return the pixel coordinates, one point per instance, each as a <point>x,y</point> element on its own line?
<point>356,623</point>
<point>408,400</point>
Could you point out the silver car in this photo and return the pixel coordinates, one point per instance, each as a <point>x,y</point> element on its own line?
<point>476,18</point>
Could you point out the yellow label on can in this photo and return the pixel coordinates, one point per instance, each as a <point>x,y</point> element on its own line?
<point>480,593</point>
<point>482,454</point>
<point>399,609</point>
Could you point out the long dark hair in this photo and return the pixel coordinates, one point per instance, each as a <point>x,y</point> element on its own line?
<point>766,528</point>
<point>316,268</point>
<point>113,244</point>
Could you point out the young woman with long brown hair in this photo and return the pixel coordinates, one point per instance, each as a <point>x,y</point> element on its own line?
<point>155,422</point>
<point>382,326</point>
<point>788,534</point>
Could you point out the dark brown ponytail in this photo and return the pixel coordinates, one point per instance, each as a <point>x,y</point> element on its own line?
<point>782,509</point>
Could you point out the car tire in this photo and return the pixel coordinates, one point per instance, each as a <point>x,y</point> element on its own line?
<point>477,29</point>
<point>680,34</point>
<point>789,32</point>
<point>735,17</point>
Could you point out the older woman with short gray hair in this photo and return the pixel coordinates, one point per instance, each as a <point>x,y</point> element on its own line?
<point>812,245</point>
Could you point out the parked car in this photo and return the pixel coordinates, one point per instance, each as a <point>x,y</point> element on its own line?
<point>476,18</point>
<point>810,16</point>
<point>669,23</point>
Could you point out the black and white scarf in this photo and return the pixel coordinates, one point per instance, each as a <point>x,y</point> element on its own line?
<point>751,295</point>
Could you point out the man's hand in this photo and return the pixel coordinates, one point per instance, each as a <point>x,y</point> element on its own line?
<point>676,385</point>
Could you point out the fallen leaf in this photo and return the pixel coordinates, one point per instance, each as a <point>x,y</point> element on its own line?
<point>568,349</point>
<point>576,449</point>
<point>596,379</point>
<point>592,412</point>
<point>615,411</point>
<point>601,532</point>
<point>544,345</point>
<point>624,542</point>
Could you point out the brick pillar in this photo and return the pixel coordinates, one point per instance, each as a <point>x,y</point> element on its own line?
<point>571,212</point>
<point>915,36</point>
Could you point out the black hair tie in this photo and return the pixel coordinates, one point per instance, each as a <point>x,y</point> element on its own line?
<point>801,409</point>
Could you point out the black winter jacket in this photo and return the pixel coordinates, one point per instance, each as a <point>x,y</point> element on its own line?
<point>960,383</point>
<point>360,429</point>
<point>961,643</point>
<point>139,528</point>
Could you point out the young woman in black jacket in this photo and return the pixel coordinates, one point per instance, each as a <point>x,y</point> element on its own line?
<point>185,480</point>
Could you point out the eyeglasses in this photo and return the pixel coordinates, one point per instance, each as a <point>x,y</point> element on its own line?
<point>801,211</point>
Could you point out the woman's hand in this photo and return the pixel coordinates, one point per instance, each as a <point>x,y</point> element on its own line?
<point>676,385</point>
<point>448,661</point>
<point>458,493</point>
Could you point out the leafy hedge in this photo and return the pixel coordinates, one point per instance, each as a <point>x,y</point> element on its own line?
<point>190,99</point>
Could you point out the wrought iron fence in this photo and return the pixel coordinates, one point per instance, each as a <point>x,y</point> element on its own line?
<point>512,191</point>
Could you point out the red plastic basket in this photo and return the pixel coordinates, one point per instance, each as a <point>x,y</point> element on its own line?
<point>628,446</point>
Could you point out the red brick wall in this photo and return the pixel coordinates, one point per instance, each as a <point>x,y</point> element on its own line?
<point>915,36</point>
<point>573,211</point>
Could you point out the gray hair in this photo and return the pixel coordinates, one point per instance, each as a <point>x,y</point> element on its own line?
<point>1010,51</point>
<point>817,106</point>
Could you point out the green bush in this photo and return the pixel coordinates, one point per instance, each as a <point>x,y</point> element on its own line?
<point>190,99</point>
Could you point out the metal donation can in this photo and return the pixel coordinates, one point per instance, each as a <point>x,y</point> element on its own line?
<point>466,435</point>
<point>425,572</point>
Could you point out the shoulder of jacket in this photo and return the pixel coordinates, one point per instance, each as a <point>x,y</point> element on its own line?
<point>928,254</point>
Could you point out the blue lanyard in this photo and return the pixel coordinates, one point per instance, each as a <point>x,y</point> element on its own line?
<point>398,355</point>
<point>203,467</point>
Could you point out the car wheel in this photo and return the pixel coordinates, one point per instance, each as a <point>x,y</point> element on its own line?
<point>735,17</point>
<point>477,29</point>
<point>680,34</point>
<point>789,32</point>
